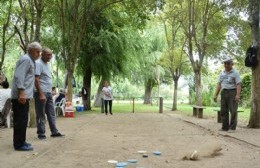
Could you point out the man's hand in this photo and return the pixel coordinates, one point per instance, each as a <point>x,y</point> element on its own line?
<point>237,98</point>
<point>22,97</point>
<point>42,97</point>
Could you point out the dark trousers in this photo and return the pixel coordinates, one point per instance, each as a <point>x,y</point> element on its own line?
<point>228,104</point>
<point>20,120</point>
<point>42,109</point>
<point>108,102</point>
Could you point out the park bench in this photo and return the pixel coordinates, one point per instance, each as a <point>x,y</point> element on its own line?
<point>219,114</point>
<point>198,111</point>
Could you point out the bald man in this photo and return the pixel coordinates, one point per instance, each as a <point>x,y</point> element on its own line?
<point>43,96</point>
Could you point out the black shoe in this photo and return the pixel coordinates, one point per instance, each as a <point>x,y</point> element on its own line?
<point>27,144</point>
<point>111,113</point>
<point>57,135</point>
<point>24,148</point>
<point>41,136</point>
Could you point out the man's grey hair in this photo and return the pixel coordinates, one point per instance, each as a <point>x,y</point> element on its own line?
<point>34,45</point>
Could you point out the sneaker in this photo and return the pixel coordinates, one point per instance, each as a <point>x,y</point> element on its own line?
<point>41,137</point>
<point>24,148</point>
<point>111,113</point>
<point>57,135</point>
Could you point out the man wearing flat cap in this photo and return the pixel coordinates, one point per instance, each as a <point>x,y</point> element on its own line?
<point>230,85</point>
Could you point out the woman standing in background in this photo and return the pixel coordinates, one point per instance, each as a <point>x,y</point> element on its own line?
<point>107,97</point>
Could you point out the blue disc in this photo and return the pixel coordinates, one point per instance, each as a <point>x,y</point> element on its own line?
<point>121,164</point>
<point>132,161</point>
<point>157,153</point>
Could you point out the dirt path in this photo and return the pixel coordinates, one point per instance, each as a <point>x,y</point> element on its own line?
<point>91,140</point>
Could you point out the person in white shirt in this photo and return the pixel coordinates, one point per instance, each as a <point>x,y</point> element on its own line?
<point>107,97</point>
<point>5,101</point>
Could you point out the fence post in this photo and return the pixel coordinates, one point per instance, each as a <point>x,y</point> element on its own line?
<point>133,105</point>
<point>102,105</point>
<point>161,105</point>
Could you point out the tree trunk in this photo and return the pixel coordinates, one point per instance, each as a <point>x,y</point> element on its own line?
<point>148,92</point>
<point>198,88</point>
<point>97,102</point>
<point>254,121</point>
<point>32,114</point>
<point>175,93</point>
<point>39,9</point>
<point>87,84</point>
<point>69,86</point>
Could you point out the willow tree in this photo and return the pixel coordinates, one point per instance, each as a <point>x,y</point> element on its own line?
<point>107,43</point>
<point>254,11</point>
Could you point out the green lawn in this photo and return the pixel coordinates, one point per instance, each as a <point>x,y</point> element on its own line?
<point>209,112</point>
<point>184,109</point>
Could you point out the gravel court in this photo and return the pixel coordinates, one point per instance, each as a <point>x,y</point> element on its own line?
<point>91,140</point>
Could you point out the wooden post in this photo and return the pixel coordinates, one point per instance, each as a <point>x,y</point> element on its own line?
<point>133,105</point>
<point>161,105</point>
<point>200,112</point>
<point>194,111</point>
<point>32,115</point>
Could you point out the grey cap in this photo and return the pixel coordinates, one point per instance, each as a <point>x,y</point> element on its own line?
<point>227,59</point>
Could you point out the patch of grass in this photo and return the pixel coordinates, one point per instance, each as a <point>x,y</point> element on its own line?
<point>209,112</point>
<point>125,107</point>
<point>184,109</point>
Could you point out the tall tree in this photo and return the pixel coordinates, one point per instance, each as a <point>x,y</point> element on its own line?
<point>174,58</point>
<point>254,10</point>
<point>107,44</point>
<point>30,22</point>
<point>203,18</point>
<point>73,21</point>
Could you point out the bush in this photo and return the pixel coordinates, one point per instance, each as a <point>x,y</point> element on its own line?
<point>246,90</point>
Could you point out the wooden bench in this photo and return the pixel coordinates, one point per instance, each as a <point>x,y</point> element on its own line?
<point>198,111</point>
<point>219,114</point>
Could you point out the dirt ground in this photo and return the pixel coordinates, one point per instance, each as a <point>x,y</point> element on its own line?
<point>93,139</point>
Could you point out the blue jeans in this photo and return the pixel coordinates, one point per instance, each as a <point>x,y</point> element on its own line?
<point>42,109</point>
